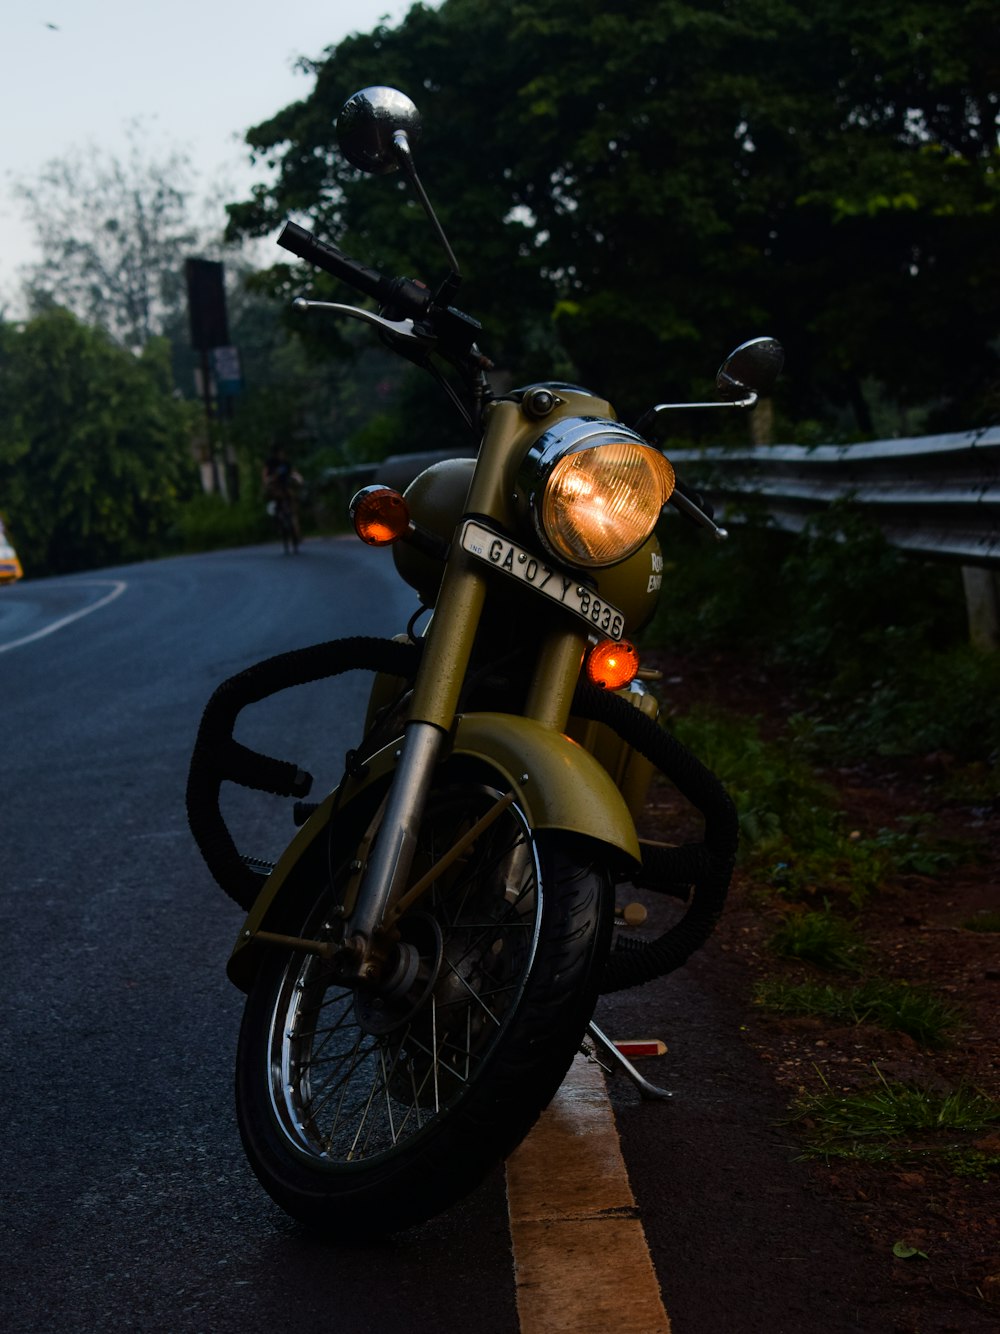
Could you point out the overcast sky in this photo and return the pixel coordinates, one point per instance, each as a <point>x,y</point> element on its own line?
<point>199,73</point>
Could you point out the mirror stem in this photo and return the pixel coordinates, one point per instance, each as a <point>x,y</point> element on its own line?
<point>401,148</point>
<point>647,419</point>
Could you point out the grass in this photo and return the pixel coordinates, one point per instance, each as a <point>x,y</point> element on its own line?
<point>792,835</point>
<point>972,1163</point>
<point>871,1122</point>
<point>208,522</point>
<point>776,792</point>
<point>988,919</point>
<point>911,852</point>
<point>820,938</point>
<point>961,1160</point>
<point>895,1006</point>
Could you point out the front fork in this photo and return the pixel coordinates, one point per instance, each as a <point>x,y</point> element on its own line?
<point>388,870</point>
<point>444,662</point>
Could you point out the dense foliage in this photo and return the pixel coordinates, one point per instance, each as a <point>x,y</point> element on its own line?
<point>95,449</point>
<point>656,183</point>
<point>631,190</point>
<point>875,641</point>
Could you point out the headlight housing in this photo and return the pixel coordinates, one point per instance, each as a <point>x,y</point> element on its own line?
<point>594,490</point>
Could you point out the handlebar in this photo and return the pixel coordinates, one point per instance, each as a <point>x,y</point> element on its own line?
<point>403,296</point>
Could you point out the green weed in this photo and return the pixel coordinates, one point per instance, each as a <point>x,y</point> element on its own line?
<point>820,938</point>
<point>973,1163</point>
<point>838,864</point>
<point>775,790</point>
<point>986,920</point>
<point>840,1122</point>
<point>792,836</point>
<point>911,850</point>
<point>896,1006</point>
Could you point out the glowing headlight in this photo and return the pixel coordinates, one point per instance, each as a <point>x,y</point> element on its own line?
<point>595,490</point>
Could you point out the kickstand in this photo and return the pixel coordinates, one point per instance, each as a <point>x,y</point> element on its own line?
<point>608,1049</point>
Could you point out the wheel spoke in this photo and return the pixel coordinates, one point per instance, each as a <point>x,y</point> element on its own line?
<point>352,1094</point>
<point>385,1090</point>
<point>301,1036</point>
<point>473,993</point>
<point>361,1123</point>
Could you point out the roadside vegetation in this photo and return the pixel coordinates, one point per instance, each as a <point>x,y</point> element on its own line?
<point>812,884</point>
<point>889,1122</point>
<point>876,679</point>
<point>895,1006</point>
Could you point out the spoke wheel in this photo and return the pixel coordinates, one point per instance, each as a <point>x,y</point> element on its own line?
<point>365,1111</point>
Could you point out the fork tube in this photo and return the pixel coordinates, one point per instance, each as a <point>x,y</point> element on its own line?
<point>550,695</point>
<point>392,856</point>
<point>448,643</point>
<point>447,648</point>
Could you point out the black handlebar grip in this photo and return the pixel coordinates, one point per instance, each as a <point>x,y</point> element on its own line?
<point>404,296</point>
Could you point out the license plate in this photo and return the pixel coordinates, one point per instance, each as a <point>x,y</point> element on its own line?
<point>552,583</point>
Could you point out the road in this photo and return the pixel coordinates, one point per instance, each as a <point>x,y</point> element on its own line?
<point>127,1203</point>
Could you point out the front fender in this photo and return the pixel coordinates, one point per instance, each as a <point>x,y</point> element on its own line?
<point>558,785</point>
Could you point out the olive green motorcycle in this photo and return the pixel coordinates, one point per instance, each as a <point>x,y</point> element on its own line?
<point>423,961</point>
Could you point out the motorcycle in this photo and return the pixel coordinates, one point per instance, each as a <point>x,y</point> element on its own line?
<point>422,962</point>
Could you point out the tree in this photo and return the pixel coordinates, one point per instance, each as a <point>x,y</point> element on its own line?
<point>656,183</point>
<point>94,445</point>
<point>113,234</point>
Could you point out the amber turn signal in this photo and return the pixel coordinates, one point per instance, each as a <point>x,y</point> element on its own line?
<point>612,663</point>
<point>380,515</point>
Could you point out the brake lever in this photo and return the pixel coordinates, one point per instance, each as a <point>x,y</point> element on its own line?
<point>400,329</point>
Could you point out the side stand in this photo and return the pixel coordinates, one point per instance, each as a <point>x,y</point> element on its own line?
<point>606,1048</point>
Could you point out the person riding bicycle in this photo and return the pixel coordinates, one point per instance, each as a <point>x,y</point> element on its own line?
<point>281,487</point>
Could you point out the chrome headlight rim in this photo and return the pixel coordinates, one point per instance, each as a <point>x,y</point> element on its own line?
<point>574,435</point>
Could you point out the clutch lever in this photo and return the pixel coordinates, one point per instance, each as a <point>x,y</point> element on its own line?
<point>399,329</point>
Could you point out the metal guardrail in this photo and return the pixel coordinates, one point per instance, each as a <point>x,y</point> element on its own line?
<point>937,496</point>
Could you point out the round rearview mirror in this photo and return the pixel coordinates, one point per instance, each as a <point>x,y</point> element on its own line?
<point>754,366</point>
<point>368,124</point>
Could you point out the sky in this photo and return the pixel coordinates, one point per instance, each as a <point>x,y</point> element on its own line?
<point>199,73</point>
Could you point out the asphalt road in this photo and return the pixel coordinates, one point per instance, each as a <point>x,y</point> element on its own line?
<point>126,1201</point>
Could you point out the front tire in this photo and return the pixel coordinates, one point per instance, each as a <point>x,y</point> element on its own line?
<point>362,1115</point>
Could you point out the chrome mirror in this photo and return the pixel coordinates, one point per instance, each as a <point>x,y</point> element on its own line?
<point>376,129</point>
<point>753,367</point>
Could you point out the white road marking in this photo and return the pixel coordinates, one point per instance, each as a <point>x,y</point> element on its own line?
<point>581,1262</point>
<point>117,586</point>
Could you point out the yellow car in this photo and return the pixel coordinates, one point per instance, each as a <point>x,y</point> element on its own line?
<point>10,566</point>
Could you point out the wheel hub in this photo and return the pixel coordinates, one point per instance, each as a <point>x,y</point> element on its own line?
<point>410,981</point>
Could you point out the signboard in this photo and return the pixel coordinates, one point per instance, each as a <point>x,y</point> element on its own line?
<point>227,371</point>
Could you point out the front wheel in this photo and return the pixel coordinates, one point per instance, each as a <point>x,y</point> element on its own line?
<point>363,1114</point>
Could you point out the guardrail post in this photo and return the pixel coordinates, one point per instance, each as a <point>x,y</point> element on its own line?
<point>762,422</point>
<point>982,603</point>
